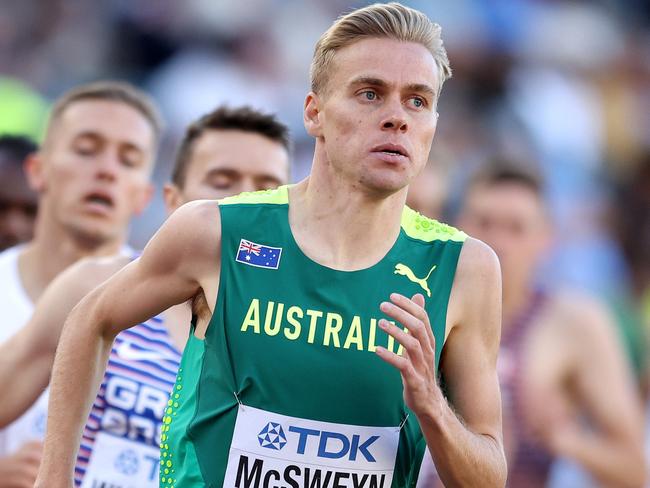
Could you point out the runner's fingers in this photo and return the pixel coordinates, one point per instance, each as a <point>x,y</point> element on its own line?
<point>410,377</point>
<point>415,326</point>
<point>31,453</point>
<point>25,481</point>
<point>418,299</point>
<point>410,344</point>
<point>412,307</point>
<point>416,309</point>
<point>401,363</point>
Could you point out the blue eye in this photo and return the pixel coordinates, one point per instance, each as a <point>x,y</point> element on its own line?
<point>370,95</point>
<point>417,102</point>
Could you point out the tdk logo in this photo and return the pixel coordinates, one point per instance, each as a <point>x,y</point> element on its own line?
<point>328,444</point>
<point>334,445</point>
<point>272,436</point>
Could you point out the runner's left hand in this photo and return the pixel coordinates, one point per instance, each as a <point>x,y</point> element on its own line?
<point>417,363</point>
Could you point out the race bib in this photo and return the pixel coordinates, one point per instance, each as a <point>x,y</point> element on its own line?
<point>269,449</point>
<point>120,463</point>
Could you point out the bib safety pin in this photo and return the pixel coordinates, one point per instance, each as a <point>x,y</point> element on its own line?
<point>401,426</point>
<point>241,405</point>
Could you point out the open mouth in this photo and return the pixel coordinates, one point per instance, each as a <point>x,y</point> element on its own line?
<point>100,199</point>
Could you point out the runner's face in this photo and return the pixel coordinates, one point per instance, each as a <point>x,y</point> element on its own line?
<point>227,162</point>
<point>510,218</point>
<point>95,168</point>
<point>377,115</point>
<point>17,205</point>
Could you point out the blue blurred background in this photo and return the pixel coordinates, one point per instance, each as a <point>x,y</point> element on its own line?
<point>561,84</point>
<point>565,84</point>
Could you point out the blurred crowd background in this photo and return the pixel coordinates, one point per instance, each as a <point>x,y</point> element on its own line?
<point>564,85</point>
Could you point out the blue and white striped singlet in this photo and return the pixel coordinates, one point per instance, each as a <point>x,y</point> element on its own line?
<point>121,440</point>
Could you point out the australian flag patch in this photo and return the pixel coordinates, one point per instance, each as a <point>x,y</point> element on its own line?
<point>258,255</point>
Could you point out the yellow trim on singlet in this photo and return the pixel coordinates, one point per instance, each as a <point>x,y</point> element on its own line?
<point>425,229</point>
<point>415,225</point>
<point>278,196</point>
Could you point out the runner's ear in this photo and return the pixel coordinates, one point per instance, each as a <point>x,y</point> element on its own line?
<point>311,115</point>
<point>173,197</point>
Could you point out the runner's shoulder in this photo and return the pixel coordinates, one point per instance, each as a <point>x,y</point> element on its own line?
<point>192,231</point>
<point>478,261</point>
<point>87,273</point>
<point>193,220</point>
<point>578,314</point>
<point>477,285</point>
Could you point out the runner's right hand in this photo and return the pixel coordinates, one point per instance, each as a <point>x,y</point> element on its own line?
<point>20,469</point>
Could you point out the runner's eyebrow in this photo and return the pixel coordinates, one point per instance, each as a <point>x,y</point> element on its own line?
<point>369,80</point>
<point>379,83</point>
<point>421,88</point>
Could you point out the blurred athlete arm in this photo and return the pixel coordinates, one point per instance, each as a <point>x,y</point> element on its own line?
<point>180,260</point>
<point>26,358</point>
<point>610,446</point>
<point>464,436</point>
<point>19,470</point>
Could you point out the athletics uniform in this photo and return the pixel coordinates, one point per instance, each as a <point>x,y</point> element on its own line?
<point>286,390</point>
<point>16,308</point>
<point>120,443</point>
<point>529,464</point>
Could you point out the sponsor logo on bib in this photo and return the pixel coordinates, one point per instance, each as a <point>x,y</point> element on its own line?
<point>127,462</point>
<point>272,436</point>
<point>121,463</point>
<point>270,449</point>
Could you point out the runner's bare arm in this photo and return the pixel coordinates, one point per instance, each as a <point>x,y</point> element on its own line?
<point>26,358</point>
<point>616,456</point>
<point>611,447</point>
<point>465,439</point>
<point>181,259</point>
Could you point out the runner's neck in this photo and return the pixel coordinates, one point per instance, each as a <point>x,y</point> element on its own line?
<point>343,229</point>
<point>52,251</point>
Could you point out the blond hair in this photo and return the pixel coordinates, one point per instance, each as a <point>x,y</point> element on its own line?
<point>392,20</point>
<point>113,91</point>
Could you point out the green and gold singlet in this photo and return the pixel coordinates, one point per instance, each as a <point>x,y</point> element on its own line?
<point>286,390</point>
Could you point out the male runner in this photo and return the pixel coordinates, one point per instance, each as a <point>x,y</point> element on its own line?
<point>295,376</point>
<point>18,202</point>
<point>567,388</point>
<point>92,174</point>
<point>225,152</point>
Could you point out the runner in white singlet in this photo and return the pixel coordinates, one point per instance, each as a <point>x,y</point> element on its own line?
<point>226,152</point>
<point>92,175</point>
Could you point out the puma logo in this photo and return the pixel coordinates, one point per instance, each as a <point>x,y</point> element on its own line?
<point>404,270</point>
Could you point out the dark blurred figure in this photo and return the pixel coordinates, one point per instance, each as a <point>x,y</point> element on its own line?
<point>567,389</point>
<point>18,202</point>
<point>632,225</point>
